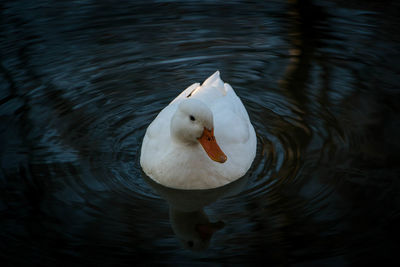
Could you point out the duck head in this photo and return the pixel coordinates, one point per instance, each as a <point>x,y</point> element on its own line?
<point>192,124</point>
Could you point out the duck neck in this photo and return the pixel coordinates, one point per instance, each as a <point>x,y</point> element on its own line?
<point>181,141</point>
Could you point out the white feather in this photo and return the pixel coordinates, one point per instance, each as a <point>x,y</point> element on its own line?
<point>179,165</point>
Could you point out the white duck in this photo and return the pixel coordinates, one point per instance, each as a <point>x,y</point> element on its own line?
<point>180,148</point>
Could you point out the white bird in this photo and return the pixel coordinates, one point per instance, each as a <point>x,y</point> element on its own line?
<point>203,139</point>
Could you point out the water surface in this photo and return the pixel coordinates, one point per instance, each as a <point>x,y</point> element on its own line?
<point>81,80</point>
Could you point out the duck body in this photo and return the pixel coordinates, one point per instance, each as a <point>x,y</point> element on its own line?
<point>172,156</point>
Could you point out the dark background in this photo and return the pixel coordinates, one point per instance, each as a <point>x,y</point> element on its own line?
<point>81,80</point>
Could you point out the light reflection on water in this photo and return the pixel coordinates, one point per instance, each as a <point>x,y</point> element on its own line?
<point>80,82</point>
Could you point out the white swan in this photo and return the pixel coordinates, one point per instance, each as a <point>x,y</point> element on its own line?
<point>203,139</point>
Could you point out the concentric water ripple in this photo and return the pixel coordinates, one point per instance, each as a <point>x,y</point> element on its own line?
<point>81,81</point>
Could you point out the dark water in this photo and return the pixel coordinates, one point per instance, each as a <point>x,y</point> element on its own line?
<point>81,80</point>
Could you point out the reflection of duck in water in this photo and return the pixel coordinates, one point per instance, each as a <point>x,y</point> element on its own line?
<point>193,229</point>
<point>180,149</point>
<point>188,220</point>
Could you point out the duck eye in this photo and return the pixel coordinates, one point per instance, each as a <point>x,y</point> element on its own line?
<point>192,118</point>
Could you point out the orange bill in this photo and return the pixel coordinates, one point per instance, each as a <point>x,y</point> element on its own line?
<point>207,140</point>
